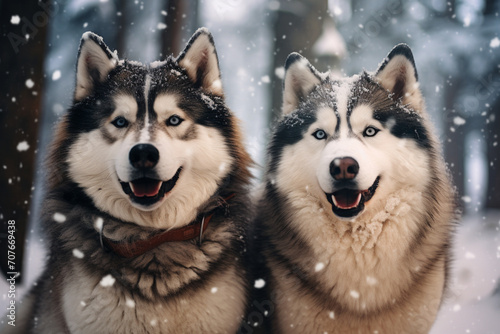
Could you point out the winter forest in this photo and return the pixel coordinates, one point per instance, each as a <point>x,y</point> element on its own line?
<point>456,45</point>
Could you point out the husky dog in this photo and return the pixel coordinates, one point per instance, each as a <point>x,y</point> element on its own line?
<point>357,213</point>
<point>147,207</point>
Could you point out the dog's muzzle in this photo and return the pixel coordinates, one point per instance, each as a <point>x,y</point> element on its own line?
<point>348,201</point>
<point>146,188</point>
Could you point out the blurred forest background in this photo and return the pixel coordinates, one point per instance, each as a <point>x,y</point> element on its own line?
<point>456,44</point>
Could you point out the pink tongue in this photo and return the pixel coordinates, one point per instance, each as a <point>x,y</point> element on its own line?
<point>346,199</point>
<point>145,187</point>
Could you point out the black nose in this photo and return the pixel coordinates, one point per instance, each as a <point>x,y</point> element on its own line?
<point>345,168</point>
<point>144,156</point>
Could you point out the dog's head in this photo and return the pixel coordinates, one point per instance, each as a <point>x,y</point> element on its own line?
<point>350,141</point>
<point>149,143</point>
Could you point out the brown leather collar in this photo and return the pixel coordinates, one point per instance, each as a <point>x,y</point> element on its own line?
<point>139,247</point>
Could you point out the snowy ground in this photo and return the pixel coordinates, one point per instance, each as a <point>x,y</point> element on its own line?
<point>474,302</point>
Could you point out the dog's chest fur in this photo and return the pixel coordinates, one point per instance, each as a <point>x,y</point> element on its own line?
<point>354,270</point>
<point>90,307</point>
<point>179,287</point>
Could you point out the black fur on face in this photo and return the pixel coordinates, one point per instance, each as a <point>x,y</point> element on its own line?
<point>402,121</point>
<point>292,127</point>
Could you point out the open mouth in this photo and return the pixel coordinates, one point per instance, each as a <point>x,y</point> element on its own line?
<point>146,191</point>
<point>347,203</point>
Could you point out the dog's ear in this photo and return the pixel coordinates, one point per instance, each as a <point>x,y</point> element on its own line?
<point>199,58</point>
<point>300,79</point>
<point>95,61</point>
<point>398,74</point>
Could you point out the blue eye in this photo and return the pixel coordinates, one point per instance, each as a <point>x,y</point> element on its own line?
<point>120,122</point>
<point>319,134</point>
<point>174,120</point>
<point>370,131</point>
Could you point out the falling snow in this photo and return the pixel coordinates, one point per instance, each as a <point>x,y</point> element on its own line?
<point>382,40</point>
<point>214,290</point>
<point>23,146</point>
<point>15,19</point>
<point>457,120</point>
<point>29,83</point>
<point>59,217</point>
<point>259,283</point>
<point>78,253</point>
<point>107,281</point>
<point>354,294</point>
<point>495,43</point>
<point>280,72</point>
<point>130,302</point>
<point>98,223</point>
<point>56,75</point>
<point>319,266</point>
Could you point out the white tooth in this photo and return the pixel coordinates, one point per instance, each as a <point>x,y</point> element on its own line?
<point>132,187</point>
<point>358,200</point>
<point>334,201</point>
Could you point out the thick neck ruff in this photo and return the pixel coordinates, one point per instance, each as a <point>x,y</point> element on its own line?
<point>131,249</point>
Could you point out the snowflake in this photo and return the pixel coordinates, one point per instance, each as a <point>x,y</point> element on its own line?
<point>107,281</point>
<point>78,253</point>
<point>29,83</point>
<point>59,217</point>
<point>319,266</point>
<point>15,19</point>
<point>56,75</point>
<point>23,146</point>
<point>495,43</point>
<point>259,283</point>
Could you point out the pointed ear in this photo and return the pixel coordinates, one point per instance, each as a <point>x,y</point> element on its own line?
<point>95,61</point>
<point>300,79</point>
<point>199,58</point>
<point>398,74</point>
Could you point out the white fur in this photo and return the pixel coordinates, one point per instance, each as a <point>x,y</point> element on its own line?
<point>299,81</point>
<point>202,55</point>
<point>144,138</point>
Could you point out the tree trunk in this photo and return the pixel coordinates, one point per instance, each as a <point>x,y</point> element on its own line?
<point>181,19</point>
<point>454,145</point>
<point>297,26</point>
<point>21,88</point>
<point>493,156</point>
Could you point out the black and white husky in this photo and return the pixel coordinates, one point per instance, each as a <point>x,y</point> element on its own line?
<point>356,217</point>
<point>147,206</point>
